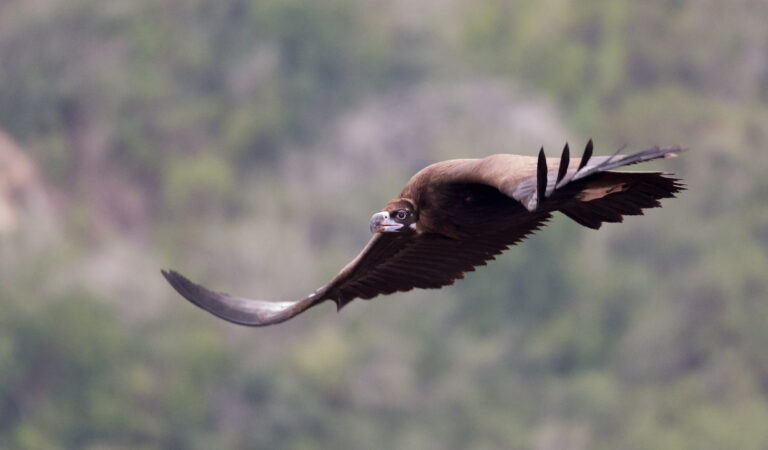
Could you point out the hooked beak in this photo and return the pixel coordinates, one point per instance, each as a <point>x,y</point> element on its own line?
<point>381,222</point>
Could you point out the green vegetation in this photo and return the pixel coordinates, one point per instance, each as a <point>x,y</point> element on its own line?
<point>246,143</point>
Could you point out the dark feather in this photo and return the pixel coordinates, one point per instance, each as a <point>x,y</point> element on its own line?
<point>541,178</point>
<point>644,190</point>
<point>565,159</point>
<point>587,155</point>
<point>428,260</point>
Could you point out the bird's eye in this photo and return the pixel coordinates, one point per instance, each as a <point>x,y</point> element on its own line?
<point>401,215</point>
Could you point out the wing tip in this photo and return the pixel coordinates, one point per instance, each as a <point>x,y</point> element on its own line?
<point>170,274</point>
<point>174,278</point>
<point>194,293</point>
<point>241,311</point>
<point>673,151</point>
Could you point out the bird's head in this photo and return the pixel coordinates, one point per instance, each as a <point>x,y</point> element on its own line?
<point>400,215</point>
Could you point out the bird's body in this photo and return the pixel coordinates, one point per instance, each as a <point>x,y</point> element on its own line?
<point>455,215</point>
<point>454,197</point>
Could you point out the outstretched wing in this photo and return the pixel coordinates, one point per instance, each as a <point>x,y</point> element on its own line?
<point>592,179</point>
<point>239,310</point>
<point>589,192</point>
<point>424,261</point>
<point>252,312</point>
<point>391,262</point>
<point>530,180</point>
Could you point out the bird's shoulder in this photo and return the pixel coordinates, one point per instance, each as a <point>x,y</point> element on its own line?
<point>502,171</point>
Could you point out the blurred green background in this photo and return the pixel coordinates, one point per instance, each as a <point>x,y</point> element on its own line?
<point>247,142</point>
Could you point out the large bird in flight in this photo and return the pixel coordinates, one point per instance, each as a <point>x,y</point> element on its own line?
<point>456,215</point>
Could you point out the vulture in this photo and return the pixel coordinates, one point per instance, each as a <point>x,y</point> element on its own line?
<point>458,214</point>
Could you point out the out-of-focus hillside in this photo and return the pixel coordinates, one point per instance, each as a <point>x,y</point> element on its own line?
<point>247,142</point>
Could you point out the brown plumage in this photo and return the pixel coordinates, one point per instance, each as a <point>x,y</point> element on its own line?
<point>456,215</point>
